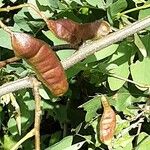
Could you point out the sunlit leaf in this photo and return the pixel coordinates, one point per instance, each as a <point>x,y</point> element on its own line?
<point>75,146</point>
<point>5,38</point>
<point>120,71</point>
<point>124,142</point>
<point>143,142</point>
<point>97,3</point>
<point>8,143</point>
<point>140,72</point>
<point>17,114</point>
<point>140,45</point>
<point>64,143</point>
<point>117,7</point>
<point>91,107</point>
<point>1,3</point>
<point>144,13</point>
<point>102,53</point>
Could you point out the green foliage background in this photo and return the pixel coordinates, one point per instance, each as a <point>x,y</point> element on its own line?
<point>71,122</point>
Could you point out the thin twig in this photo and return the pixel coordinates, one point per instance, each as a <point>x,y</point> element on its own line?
<point>16,85</point>
<point>5,28</point>
<point>132,126</point>
<point>137,116</point>
<point>137,136</point>
<point>130,81</point>
<point>65,125</point>
<point>27,136</point>
<point>8,61</point>
<point>135,9</point>
<point>64,46</point>
<point>36,85</point>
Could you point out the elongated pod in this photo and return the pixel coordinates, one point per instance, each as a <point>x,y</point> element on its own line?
<point>43,60</point>
<point>107,122</point>
<point>96,29</point>
<point>65,29</point>
<point>76,33</point>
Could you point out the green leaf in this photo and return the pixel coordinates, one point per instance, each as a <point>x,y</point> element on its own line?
<point>64,143</point>
<point>75,146</point>
<point>17,68</point>
<point>52,37</point>
<point>117,7</point>
<point>146,41</point>
<point>64,54</point>
<point>120,59</point>
<point>20,20</point>
<point>123,100</point>
<point>123,53</point>
<point>51,3</point>
<point>40,6</point>
<point>91,107</point>
<point>121,124</point>
<point>120,71</point>
<point>44,94</point>
<point>27,107</point>
<point>144,13</point>
<point>1,3</point>
<point>12,126</point>
<point>27,24</point>
<point>108,51</point>
<point>71,72</point>
<point>8,142</point>
<point>73,3</point>
<point>5,40</point>
<point>129,146</point>
<point>124,142</point>
<point>77,1</point>
<point>109,2</point>
<point>47,105</point>
<point>140,72</point>
<point>60,113</point>
<point>143,142</point>
<point>95,124</point>
<point>97,3</point>
<point>55,137</point>
<point>140,45</point>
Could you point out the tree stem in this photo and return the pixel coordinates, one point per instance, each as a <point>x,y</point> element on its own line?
<point>37,121</point>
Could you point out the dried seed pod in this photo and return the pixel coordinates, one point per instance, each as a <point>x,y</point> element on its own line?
<point>76,33</point>
<point>65,29</point>
<point>96,29</point>
<point>107,122</point>
<point>43,60</point>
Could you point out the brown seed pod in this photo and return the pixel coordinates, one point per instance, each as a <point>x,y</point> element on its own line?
<point>43,60</point>
<point>76,33</point>
<point>107,122</point>
<point>65,29</point>
<point>96,29</point>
